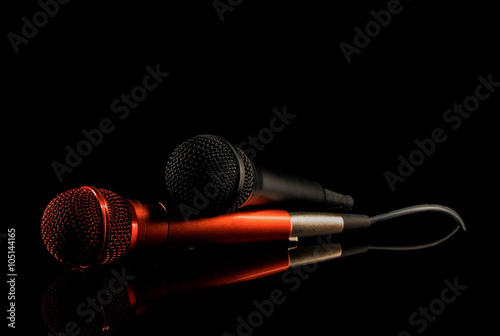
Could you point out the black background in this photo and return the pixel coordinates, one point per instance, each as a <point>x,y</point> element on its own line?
<point>352,122</point>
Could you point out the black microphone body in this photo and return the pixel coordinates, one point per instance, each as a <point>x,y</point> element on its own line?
<point>274,186</point>
<point>208,162</point>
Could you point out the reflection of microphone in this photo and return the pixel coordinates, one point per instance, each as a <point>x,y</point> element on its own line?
<point>87,225</point>
<point>75,304</point>
<point>100,303</point>
<point>211,176</point>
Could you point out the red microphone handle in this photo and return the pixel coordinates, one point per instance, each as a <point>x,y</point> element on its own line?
<point>151,226</point>
<point>239,227</point>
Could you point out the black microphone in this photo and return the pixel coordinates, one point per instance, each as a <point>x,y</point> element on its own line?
<point>208,176</point>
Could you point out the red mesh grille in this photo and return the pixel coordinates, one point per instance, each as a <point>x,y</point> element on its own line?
<point>121,227</point>
<point>72,227</point>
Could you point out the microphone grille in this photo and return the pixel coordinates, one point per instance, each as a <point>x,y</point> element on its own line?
<point>203,173</point>
<point>73,227</point>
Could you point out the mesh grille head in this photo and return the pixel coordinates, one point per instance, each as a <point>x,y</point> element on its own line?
<point>203,173</point>
<point>73,227</point>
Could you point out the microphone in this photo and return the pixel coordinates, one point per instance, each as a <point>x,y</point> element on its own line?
<point>87,226</point>
<point>207,175</point>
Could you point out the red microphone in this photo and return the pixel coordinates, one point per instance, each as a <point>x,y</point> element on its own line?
<point>87,226</point>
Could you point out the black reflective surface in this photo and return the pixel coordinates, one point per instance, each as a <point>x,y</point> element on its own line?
<point>410,120</point>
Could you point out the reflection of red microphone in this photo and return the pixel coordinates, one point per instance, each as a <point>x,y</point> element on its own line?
<point>88,226</point>
<point>97,302</point>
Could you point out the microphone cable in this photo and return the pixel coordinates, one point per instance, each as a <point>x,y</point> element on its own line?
<point>413,210</point>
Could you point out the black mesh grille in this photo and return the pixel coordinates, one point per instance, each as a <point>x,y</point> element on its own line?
<point>248,183</point>
<point>203,173</point>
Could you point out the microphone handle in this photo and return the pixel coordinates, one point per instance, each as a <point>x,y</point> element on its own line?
<point>152,226</point>
<point>273,186</point>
